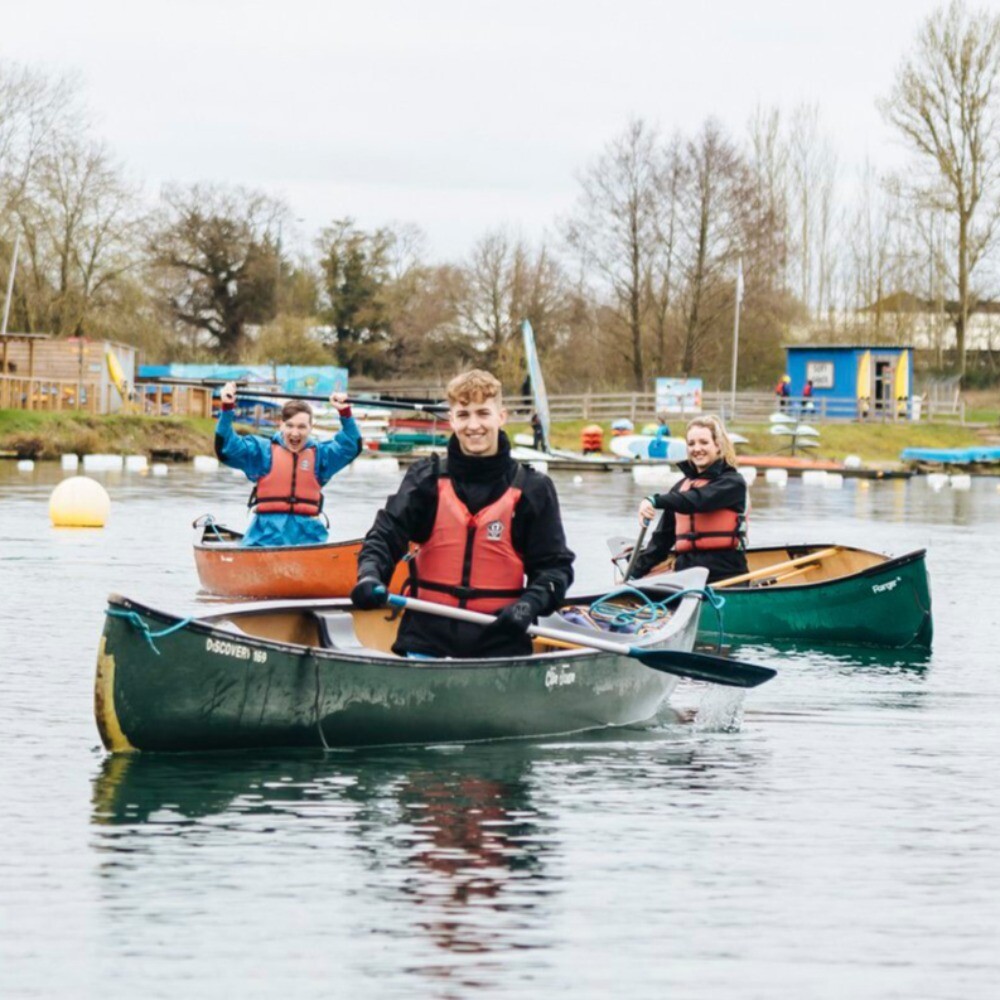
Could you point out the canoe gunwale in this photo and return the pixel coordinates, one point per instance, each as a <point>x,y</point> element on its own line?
<point>891,564</point>
<point>689,607</point>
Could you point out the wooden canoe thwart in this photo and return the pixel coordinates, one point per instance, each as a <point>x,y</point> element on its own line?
<point>825,594</point>
<point>321,674</point>
<point>227,569</point>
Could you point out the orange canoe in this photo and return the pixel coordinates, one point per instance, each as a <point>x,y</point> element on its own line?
<point>790,462</point>
<point>287,571</point>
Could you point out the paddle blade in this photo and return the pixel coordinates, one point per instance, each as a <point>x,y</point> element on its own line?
<point>704,667</point>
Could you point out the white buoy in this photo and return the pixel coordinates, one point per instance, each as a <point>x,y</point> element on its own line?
<point>663,476</point>
<point>577,480</point>
<point>852,462</point>
<point>813,477</point>
<point>70,462</point>
<point>937,480</point>
<point>833,481</point>
<point>159,469</point>
<point>749,474</point>
<point>26,465</point>
<point>136,463</point>
<point>963,481</point>
<point>776,477</point>
<point>205,463</point>
<point>102,463</point>
<point>79,502</point>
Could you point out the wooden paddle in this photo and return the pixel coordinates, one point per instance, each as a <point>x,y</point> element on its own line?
<point>246,390</point>
<point>696,666</point>
<point>766,571</point>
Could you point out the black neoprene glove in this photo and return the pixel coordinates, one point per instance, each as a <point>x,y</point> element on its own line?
<point>514,619</point>
<point>368,593</point>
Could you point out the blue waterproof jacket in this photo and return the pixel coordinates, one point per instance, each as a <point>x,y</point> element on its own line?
<point>251,454</point>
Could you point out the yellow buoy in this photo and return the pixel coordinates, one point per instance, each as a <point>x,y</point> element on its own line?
<point>79,502</point>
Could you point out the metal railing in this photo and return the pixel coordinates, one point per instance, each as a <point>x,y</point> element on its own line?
<point>751,407</point>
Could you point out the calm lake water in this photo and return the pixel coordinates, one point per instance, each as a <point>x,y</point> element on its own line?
<point>842,840</point>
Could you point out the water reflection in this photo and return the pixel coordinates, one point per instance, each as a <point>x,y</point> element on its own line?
<point>455,834</point>
<point>461,846</point>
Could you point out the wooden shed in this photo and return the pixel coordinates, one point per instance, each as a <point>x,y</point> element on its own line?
<point>41,372</point>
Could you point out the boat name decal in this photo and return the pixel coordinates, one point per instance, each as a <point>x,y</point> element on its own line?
<point>555,677</point>
<point>235,650</point>
<point>880,588</point>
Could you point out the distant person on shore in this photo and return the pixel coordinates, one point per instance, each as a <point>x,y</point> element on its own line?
<point>660,446</point>
<point>537,433</point>
<point>704,515</point>
<point>807,402</point>
<point>783,390</point>
<point>289,469</point>
<point>489,532</point>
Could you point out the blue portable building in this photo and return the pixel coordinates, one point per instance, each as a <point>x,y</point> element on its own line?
<point>858,380</point>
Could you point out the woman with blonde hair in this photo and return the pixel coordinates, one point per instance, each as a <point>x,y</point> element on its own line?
<point>704,515</point>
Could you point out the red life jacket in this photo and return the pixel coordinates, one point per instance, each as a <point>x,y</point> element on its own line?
<point>291,486</point>
<point>714,529</point>
<point>469,560</point>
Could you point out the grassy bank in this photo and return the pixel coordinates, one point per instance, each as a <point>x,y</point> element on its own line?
<point>49,435</point>
<point>30,434</point>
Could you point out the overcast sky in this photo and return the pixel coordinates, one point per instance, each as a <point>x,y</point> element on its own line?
<point>457,115</point>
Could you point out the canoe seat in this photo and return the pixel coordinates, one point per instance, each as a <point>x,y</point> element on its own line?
<point>336,631</point>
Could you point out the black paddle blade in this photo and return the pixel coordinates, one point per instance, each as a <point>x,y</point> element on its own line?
<point>704,667</point>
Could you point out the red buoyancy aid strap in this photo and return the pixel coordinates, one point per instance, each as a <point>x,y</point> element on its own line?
<point>715,529</point>
<point>290,485</point>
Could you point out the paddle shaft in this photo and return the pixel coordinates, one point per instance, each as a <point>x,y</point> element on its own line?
<point>636,551</point>
<point>765,571</point>
<point>681,663</point>
<point>385,404</point>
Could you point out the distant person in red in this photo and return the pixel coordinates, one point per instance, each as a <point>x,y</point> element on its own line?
<point>783,390</point>
<point>807,391</point>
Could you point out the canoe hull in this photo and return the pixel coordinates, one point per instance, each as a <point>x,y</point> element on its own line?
<point>215,689</point>
<point>887,605</point>
<point>286,572</point>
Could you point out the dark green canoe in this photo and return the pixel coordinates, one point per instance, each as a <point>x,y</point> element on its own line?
<point>827,594</point>
<point>317,674</point>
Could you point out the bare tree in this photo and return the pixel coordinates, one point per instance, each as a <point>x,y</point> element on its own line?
<point>664,266</point>
<point>614,233</point>
<point>215,250</point>
<point>945,105</point>
<point>768,163</point>
<point>719,189</point>
<point>82,224</point>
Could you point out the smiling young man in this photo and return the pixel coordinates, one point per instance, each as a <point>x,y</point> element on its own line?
<point>289,470</point>
<point>489,533</point>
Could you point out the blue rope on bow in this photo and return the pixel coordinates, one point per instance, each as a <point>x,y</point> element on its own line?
<point>137,622</point>
<point>650,610</point>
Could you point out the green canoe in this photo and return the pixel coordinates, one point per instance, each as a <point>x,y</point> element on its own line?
<point>319,674</point>
<point>826,594</point>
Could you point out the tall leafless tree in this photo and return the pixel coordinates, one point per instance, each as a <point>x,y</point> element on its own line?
<point>946,106</point>
<point>614,233</point>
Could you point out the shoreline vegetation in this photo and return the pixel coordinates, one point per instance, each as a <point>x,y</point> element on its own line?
<point>47,436</point>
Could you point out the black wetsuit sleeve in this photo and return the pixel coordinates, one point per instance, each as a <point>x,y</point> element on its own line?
<point>660,545</point>
<point>539,536</point>
<point>408,516</point>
